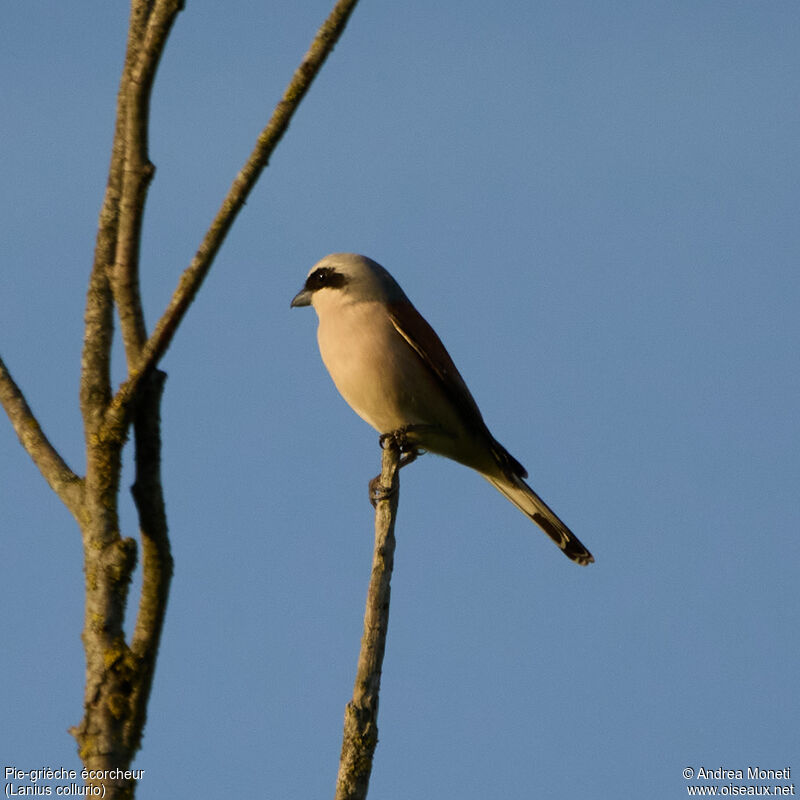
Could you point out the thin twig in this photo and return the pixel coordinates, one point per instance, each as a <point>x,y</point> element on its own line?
<point>148,494</point>
<point>63,481</point>
<point>192,278</point>
<point>361,714</point>
<point>95,393</point>
<point>140,71</point>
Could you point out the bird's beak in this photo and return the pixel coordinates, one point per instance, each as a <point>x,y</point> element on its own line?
<point>302,298</point>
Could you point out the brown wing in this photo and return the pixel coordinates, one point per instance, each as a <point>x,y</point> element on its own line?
<point>411,325</point>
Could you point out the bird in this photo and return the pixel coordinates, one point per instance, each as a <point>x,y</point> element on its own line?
<point>393,370</point>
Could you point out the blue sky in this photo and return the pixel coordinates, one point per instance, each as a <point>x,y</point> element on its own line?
<point>596,206</point>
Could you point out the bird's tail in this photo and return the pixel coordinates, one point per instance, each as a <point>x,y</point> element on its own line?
<point>530,504</point>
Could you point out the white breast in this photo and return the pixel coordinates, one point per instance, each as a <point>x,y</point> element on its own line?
<point>373,368</point>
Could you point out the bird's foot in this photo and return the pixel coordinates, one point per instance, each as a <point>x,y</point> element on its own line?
<point>402,438</point>
<point>378,492</point>
<point>405,439</point>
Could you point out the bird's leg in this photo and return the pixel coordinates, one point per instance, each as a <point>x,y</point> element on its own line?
<point>406,438</point>
<point>409,452</point>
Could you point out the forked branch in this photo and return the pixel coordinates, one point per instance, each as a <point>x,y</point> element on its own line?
<point>119,672</point>
<point>192,278</point>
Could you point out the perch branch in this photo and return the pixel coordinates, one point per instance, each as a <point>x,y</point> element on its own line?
<point>361,714</point>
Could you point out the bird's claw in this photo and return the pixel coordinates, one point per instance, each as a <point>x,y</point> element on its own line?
<point>405,438</point>
<point>402,439</point>
<point>378,492</point>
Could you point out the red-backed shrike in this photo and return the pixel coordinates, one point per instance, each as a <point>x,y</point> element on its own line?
<point>395,373</point>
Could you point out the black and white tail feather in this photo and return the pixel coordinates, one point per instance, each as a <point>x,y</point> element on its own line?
<point>529,503</point>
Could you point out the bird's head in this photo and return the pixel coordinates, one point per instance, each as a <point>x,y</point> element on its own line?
<point>343,278</point>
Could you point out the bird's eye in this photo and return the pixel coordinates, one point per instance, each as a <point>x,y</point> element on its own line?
<point>320,277</point>
<point>325,277</point>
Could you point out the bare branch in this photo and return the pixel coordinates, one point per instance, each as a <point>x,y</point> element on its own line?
<point>140,71</point>
<point>149,25</point>
<point>98,316</point>
<point>148,495</point>
<point>361,714</point>
<point>95,391</point>
<point>63,481</point>
<point>193,276</point>
<point>118,679</point>
<point>119,675</point>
